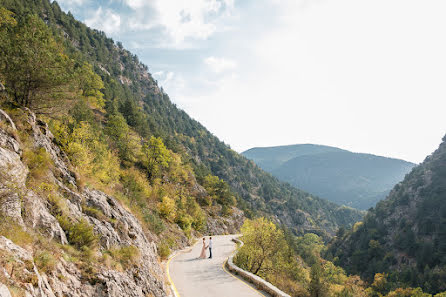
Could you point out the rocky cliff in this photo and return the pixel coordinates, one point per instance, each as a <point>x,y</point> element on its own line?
<point>43,262</point>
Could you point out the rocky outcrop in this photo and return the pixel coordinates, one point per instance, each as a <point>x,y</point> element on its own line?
<point>226,225</point>
<point>12,171</point>
<point>24,270</point>
<point>37,217</point>
<point>4,292</point>
<point>114,226</point>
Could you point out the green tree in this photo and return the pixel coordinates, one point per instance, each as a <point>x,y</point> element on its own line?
<point>309,247</point>
<point>90,85</point>
<point>380,285</point>
<point>219,191</point>
<point>408,292</point>
<point>36,71</point>
<point>156,157</point>
<point>124,141</point>
<point>263,241</point>
<point>318,288</point>
<point>7,24</point>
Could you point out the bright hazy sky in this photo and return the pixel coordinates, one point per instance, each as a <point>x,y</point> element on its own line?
<point>367,76</point>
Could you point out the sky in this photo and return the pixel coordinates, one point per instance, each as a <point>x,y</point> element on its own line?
<point>366,76</point>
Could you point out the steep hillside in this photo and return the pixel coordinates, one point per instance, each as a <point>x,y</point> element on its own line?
<point>57,238</point>
<point>131,91</point>
<point>405,235</point>
<point>353,179</point>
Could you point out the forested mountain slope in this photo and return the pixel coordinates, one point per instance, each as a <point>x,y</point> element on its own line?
<point>405,235</point>
<point>353,179</point>
<point>131,91</point>
<point>88,205</point>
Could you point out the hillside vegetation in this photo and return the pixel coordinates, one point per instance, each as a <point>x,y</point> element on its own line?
<point>101,176</point>
<point>353,179</point>
<point>294,264</point>
<point>131,97</point>
<point>404,237</point>
<point>87,202</point>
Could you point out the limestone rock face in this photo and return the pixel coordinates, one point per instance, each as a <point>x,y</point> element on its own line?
<point>12,172</point>
<point>114,226</point>
<point>226,225</point>
<point>4,292</point>
<point>39,218</point>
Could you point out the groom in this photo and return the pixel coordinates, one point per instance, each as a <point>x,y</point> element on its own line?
<point>210,247</point>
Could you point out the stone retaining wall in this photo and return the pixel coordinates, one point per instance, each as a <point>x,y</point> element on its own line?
<point>252,278</point>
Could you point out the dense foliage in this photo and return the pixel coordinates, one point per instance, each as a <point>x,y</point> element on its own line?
<point>405,235</point>
<point>353,179</point>
<point>294,264</point>
<point>104,150</point>
<point>130,93</point>
<point>34,66</point>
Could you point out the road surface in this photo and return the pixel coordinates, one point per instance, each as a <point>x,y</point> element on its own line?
<point>193,277</point>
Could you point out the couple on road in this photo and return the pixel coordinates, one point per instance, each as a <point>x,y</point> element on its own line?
<point>203,250</point>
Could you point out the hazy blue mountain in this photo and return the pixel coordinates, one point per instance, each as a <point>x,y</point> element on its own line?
<point>354,179</point>
<point>270,158</point>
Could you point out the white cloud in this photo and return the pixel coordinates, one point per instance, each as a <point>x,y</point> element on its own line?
<point>180,20</point>
<point>135,45</point>
<point>71,3</point>
<point>73,6</point>
<point>362,75</point>
<point>170,80</point>
<point>328,72</point>
<point>219,65</point>
<point>107,21</point>
<point>136,4</point>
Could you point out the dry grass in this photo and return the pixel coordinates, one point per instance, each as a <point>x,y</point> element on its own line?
<point>13,231</point>
<point>126,256</point>
<point>39,164</point>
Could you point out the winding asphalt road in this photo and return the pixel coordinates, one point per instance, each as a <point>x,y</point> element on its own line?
<point>194,277</point>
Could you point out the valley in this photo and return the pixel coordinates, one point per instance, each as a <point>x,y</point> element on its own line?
<point>103,180</point>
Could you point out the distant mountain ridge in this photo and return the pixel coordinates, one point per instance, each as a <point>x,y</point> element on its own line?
<point>355,179</point>
<point>270,158</point>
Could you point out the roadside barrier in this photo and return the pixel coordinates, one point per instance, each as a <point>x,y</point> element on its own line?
<point>252,278</point>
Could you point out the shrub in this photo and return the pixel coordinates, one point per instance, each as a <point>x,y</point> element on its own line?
<point>163,250</point>
<point>45,261</point>
<point>184,220</point>
<point>57,205</point>
<point>94,212</point>
<point>155,223</point>
<point>167,208</point>
<point>127,255</point>
<point>199,221</point>
<point>79,234</point>
<point>38,161</point>
<point>136,186</point>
